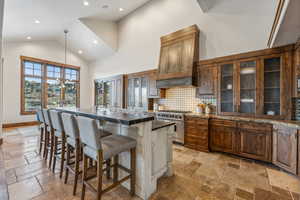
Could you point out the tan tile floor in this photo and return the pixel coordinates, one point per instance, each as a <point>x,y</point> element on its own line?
<point>198,176</point>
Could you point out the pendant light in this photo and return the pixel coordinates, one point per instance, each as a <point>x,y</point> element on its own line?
<point>66,44</point>
<point>62,84</point>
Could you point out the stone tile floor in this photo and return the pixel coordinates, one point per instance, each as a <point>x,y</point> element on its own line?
<point>198,176</point>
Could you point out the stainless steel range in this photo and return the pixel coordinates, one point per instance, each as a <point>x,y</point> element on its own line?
<point>177,117</point>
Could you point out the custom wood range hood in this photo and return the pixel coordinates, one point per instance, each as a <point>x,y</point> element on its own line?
<point>178,54</point>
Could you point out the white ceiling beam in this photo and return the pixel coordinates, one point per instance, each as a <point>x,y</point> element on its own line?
<point>203,5</point>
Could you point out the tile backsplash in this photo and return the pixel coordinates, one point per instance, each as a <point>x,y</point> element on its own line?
<point>184,99</point>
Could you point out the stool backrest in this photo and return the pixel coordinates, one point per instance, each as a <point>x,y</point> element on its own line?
<point>40,116</point>
<point>47,117</point>
<point>70,125</point>
<point>56,120</point>
<point>88,132</point>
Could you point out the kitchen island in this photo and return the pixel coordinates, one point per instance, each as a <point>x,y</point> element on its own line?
<point>154,144</point>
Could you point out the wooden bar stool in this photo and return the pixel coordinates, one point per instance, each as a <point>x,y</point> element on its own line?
<point>101,149</point>
<point>41,120</point>
<point>59,134</point>
<point>48,147</point>
<point>73,145</point>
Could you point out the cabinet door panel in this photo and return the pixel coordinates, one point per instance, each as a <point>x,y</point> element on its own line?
<point>137,92</point>
<point>206,81</point>
<point>164,60</point>
<point>255,144</point>
<point>119,93</point>
<point>130,93</point>
<point>272,89</point>
<point>153,91</point>
<point>187,55</point>
<point>298,148</point>
<point>175,58</point>
<point>285,148</point>
<point>144,94</point>
<point>196,135</point>
<point>227,88</point>
<point>222,139</point>
<point>247,87</point>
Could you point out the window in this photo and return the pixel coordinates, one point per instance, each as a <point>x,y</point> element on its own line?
<point>46,84</point>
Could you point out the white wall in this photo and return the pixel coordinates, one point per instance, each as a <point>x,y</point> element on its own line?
<point>230,26</point>
<point>48,50</point>
<point>1,67</point>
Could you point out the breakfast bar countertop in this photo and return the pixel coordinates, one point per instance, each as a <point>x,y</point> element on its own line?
<point>115,117</point>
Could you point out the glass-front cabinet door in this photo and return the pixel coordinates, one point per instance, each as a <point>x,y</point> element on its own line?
<point>227,88</point>
<point>138,93</point>
<point>247,87</point>
<point>259,87</point>
<point>271,88</point>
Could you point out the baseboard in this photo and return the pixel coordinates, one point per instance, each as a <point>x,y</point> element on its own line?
<point>13,125</point>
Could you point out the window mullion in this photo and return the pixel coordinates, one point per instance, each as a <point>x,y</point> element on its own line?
<point>44,87</point>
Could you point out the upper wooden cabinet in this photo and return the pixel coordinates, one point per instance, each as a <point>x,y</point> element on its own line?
<point>153,91</point>
<point>285,147</point>
<point>109,92</point>
<point>257,84</point>
<point>141,87</point>
<point>178,54</point>
<point>137,92</point>
<point>207,80</point>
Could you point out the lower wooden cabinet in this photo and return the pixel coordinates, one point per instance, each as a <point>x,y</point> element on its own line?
<point>277,144</point>
<point>285,147</point>
<point>196,133</point>
<point>223,135</point>
<point>298,154</point>
<point>254,140</point>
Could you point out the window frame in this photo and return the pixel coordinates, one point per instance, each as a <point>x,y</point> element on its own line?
<point>44,78</point>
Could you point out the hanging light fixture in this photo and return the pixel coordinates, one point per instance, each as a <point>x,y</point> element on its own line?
<point>66,44</point>
<point>62,84</point>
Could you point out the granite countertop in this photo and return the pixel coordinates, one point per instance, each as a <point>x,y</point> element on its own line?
<point>157,124</point>
<point>289,123</point>
<point>115,117</point>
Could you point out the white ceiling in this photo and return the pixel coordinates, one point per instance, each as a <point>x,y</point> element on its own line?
<point>57,15</point>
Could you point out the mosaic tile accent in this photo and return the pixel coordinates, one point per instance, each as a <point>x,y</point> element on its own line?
<point>184,99</point>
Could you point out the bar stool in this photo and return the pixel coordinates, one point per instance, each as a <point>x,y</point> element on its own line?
<point>41,120</point>
<point>48,137</point>
<point>59,134</point>
<point>100,149</point>
<point>73,144</point>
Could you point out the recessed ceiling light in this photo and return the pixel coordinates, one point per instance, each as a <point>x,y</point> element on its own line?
<point>86,3</point>
<point>28,38</point>
<point>121,9</point>
<point>37,21</point>
<point>80,51</point>
<point>95,41</point>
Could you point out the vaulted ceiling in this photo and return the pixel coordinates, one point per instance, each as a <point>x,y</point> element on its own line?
<point>92,28</point>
